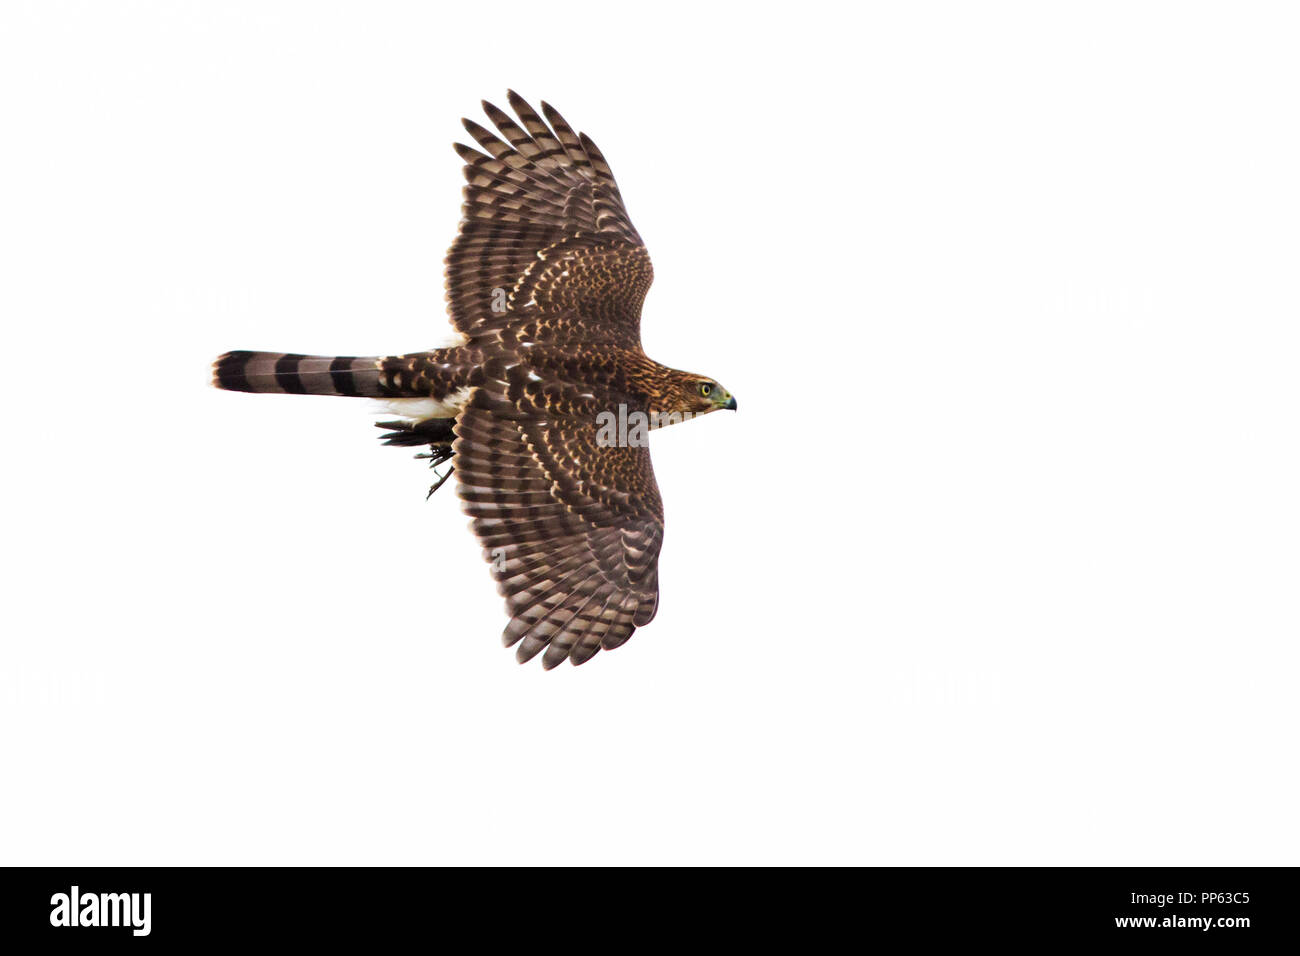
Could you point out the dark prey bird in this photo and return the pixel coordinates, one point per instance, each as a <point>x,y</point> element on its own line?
<point>544,404</point>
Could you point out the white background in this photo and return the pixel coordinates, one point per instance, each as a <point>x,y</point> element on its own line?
<point>997,563</point>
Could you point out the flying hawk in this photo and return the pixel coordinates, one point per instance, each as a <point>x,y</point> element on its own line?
<point>544,405</point>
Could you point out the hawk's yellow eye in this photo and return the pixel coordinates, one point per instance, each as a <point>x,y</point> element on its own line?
<point>706,389</point>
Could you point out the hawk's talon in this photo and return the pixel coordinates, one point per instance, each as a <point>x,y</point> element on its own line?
<point>442,479</point>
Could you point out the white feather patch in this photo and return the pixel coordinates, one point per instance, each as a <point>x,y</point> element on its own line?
<point>450,339</point>
<point>419,409</point>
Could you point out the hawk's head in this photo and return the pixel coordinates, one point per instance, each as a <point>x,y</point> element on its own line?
<point>692,395</point>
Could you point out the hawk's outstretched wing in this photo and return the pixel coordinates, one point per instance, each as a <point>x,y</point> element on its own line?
<point>546,256</point>
<point>546,251</point>
<point>572,529</point>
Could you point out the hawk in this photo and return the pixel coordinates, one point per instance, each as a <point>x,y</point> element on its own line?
<point>544,404</point>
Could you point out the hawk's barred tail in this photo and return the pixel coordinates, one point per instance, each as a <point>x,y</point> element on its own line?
<point>288,372</point>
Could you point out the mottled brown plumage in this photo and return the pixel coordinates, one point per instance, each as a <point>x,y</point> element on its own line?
<point>545,283</point>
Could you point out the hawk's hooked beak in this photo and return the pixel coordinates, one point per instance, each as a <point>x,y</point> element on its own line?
<point>731,403</point>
